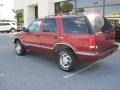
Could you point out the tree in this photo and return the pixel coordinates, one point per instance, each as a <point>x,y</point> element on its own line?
<point>80,10</point>
<point>19,15</point>
<point>66,7</point>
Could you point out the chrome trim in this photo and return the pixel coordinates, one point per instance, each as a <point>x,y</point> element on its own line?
<point>39,46</point>
<point>87,53</point>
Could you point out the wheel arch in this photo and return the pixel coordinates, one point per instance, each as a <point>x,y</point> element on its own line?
<point>12,28</point>
<point>16,39</point>
<point>61,46</point>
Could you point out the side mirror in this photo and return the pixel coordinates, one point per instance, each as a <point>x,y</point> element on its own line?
<point>25,29</point>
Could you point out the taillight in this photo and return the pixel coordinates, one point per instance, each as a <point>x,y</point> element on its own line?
<point>92,43</point>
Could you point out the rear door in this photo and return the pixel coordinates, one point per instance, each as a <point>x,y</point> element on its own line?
<point>76,32</point>
<point>31,37</point>
<point>49,35</point>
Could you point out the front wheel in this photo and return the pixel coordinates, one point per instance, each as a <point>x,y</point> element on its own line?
<point>66,60</point>
<point>20,49</point>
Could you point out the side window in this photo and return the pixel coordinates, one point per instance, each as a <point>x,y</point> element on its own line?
<point>35,26</point>
<point>1,24</point>
<point>75,25</point>
<point>4,24</point>
<point>50,25</point>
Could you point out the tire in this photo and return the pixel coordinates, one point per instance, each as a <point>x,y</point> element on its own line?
<point>66,60</point>
<point>13,30</point>
<point>20,49</point>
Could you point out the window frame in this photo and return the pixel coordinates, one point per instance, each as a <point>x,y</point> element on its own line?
<point>44,25</point>
<point>40,26</point>
<point>86,22</point>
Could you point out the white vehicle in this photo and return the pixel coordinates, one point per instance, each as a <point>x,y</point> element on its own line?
<point>8,26</point>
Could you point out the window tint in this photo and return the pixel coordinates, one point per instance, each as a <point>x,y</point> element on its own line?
<point>75,25</point>
<point>35,26</point>
<point>107,26</point>
<point>50,25</point>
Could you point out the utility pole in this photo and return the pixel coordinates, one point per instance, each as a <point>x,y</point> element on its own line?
<point>103,8</point>
<point>75,6</point>
<point>95,6</point>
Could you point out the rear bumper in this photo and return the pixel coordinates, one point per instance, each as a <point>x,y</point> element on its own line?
<point>91,57</point>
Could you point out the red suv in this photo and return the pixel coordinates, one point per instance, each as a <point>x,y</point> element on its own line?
<point>70,38</point>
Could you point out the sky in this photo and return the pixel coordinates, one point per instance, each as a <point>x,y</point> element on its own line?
<point>6,10</point>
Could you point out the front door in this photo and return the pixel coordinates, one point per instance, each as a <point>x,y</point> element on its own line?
<point>31,37</point>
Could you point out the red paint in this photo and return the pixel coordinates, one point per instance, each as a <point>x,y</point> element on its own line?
<point>101,44</point>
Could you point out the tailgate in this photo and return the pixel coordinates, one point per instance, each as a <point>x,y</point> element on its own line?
<point>105,40</point>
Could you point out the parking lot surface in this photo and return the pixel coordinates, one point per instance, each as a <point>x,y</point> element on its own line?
<point>38,72</point>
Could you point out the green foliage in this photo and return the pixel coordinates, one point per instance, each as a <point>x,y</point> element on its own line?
<point>80,10</point>
<point>66,7</point>
<point>19,15</point>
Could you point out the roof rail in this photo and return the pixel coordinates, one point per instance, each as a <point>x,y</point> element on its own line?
<point>65,14</point>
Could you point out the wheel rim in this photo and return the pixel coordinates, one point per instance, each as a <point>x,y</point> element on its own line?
<point>18,48</point>
<point>12,31</point>
<point>65,60</point>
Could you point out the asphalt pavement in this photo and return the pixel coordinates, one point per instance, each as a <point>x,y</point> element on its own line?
<point>39,72</point>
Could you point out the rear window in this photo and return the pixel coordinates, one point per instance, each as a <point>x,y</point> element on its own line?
<point>75,25</point>
<point>107,26</point>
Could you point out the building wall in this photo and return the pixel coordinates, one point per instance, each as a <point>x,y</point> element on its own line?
<point>45,8</point>
<point>58,0</point>
<point>31,2</point>
<point>19,4</point>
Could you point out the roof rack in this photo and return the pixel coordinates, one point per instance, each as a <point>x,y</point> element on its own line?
<point>65,14</point>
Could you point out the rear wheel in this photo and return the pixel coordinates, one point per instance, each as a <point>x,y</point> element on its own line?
<point>20,49</point>
<point>13,30</point>
<point>66,60</point>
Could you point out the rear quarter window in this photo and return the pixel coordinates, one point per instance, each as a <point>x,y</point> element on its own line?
<point>75,25</point>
